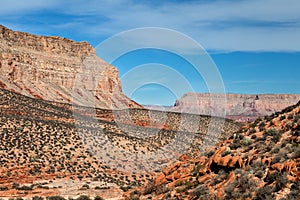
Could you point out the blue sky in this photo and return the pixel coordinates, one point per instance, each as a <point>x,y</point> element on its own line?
<point>254,44</point>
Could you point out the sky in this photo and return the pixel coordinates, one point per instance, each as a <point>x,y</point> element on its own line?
<point>254,45</point>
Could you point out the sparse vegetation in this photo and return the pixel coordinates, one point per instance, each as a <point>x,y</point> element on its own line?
<point>234,166</point>
<point>252,164</point>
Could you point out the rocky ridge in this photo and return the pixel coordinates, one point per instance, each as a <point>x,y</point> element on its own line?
<point>261,161</point>
<point>240,107</point>
<point>58,69</point>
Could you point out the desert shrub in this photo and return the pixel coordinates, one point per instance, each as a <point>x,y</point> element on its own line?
<point>281,181</point>
<point>167,196</point>
<point>269,118</point>
<point>257,139</point>
<point>85,187</point>
<point>259,173</point>
<point>270,178</point>
<point>225,153</point>
<point>15,185</point>
<point>200,192</point>
<point>222,175</point>
<point>229,191</point>
<point>135,195</point>
<point>276,137</point>
<point>294,191</point>
<point>262,128</point>
<point>296,154</point>
<point>180,183</point>
<point>161,190</point>
<point>253,136</point>
<point>97,188</point>
<point>37,198</point>
<point>264,193</point>
<point>55,198</point>
<point>245,183</point>
<point>25,187</point>
<point>98,198</point>
<point>275,150</point>
<point>181,189</point>
<point>125,188</point>
<point>83,197</point>
<point>252,130</point>
<point>257,120</point>
<point>236,143</point>
<point>296,118</point>
<point>276,159</point>
<point>283,117</point>
<point>150,187</point>
<point>284,143</point>
<point>43,187</point>
<point>244,189</point>
<point>247,141</point>
<point>274,133</point>
<point>209,153</point>
<point>232,193</point>
<point>3,188</point>
<point>290,116</point>
<point>238,171</point>
<point>252,125</point>
<point>296,132</point>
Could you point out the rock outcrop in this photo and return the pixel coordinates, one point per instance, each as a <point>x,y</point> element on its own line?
<point>261,161</point>
<point>58,69</point>
<point>241,107</point>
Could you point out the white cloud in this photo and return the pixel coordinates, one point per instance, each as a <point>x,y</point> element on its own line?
<point>15,7</point>
<point>256,25</point>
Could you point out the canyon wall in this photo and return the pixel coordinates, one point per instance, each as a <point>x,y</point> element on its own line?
<point>240,107</point>
<point>58,69</point>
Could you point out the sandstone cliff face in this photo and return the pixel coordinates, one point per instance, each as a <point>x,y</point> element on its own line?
<point>58,69</point>
<point>240,107</point>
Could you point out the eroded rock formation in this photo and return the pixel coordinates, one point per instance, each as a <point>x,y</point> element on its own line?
<point>261,161</point>
<point>58,69</point>
<point>240,107</point>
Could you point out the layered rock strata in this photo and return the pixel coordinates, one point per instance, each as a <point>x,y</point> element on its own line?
<point>241,107</point>
<point>58,69</point>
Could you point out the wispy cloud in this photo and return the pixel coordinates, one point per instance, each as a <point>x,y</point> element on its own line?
<point>257,25</point>
<point>16,7</point>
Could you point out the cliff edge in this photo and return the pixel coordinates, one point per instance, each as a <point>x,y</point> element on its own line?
<point>58,69</point>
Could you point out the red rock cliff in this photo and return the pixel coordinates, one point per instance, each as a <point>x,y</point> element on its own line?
<point>238,106</point>
<point>58,69</point>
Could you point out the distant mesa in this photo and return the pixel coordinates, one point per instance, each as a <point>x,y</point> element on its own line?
<point>242,107</point>
<point>239,107</point>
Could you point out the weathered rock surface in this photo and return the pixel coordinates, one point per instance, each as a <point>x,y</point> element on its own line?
<point>261,161</point>
<point>58,69</point>
<point>241,107</point>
